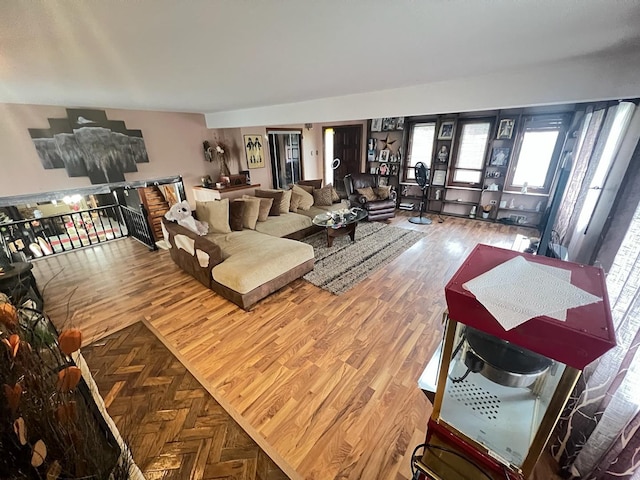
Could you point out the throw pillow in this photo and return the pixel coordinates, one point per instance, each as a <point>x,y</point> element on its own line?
<point>335,198</point>
<point>265,207</point>
<point>216,214</point>
<point>312,183</point>
<point>383,192</point>
<point>367,193</point>
<point>286,201</point>
<point>236,215</point>
<point>295,201</point>
<point>277,199</point>
<point>251,212</point>
<point>322,197</point>
<point>306,202</point>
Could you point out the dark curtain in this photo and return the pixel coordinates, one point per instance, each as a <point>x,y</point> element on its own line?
<point>597,435</point>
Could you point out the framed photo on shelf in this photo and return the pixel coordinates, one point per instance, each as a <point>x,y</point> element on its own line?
<point>446,131</point>
<point>505,129</point>
<point>373,170</point>
<point>371,149</point>
<point>376,125</point>
<point>384,155</point>
<point>400,123</point>
<point>393,169</point>
<point>384,169</point>
<point>383,182</point>
<point>500,157</point>
<point>443,154</point>
<point>388,123</point>
<point>439,177</point>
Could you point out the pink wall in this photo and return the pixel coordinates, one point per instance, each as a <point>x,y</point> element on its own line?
<point>173,142</point>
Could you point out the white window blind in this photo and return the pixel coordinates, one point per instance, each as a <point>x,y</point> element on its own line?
<point>422,135</point>
<point>471,150</point>
<point>535,157</point>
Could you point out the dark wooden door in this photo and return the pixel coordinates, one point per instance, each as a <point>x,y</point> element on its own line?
<point>347,142</point>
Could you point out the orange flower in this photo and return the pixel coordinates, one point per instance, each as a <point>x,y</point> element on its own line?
<point>8,315</point>
<point>66,412</point>
<point>13,395</point>
<point>13,342</point>
<point>68,378</point>
<point>70,340</point>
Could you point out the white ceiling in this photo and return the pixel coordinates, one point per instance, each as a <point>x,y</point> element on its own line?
<point>226,55</point>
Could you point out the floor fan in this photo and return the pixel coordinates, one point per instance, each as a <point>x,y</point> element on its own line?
<point>422,177</point>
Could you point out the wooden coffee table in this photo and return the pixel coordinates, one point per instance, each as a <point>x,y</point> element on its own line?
<point>340,223</point>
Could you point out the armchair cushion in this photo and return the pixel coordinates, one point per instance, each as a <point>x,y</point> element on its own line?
<point>367,193</point>
<point>364,191</point>
<point>383,192</point>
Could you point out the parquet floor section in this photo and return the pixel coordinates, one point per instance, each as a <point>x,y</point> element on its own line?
<point>326,385</point>
<point>175,428</point>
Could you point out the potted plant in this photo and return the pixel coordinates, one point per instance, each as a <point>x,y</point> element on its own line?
<point>50,427</point>
<point>486,210</point>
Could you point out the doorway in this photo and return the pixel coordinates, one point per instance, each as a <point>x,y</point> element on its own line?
<point>343,153</point>
<point>285,147</point>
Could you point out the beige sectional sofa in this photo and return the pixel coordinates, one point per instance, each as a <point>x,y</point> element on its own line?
<point>248,265</point>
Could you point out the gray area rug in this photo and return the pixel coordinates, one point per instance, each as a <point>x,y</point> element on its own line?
<point>345,264</point>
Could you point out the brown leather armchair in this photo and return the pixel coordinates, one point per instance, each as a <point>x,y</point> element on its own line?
<point>378,209</point>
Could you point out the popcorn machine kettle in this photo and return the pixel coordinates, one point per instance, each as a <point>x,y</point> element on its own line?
<point>500,390</point>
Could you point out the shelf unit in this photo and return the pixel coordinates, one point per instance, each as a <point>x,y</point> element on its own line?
<point>461,201</point>
<point>410,194</point>
<point>390,138</point>
<point>514,207</point>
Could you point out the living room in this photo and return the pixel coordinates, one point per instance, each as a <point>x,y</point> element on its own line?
<point>178,93</point>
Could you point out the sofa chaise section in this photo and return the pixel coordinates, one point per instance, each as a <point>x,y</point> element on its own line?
<point>256,265</point>
<point>243,267</point>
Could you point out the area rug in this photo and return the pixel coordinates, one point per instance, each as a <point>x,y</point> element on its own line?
<point>345,264</point>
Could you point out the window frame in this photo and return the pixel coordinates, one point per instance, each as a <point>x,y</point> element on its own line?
<point>538,123</point>
<point>456,151</point>
<point>406,167</point>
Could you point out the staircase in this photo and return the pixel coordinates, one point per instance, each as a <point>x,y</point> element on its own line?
<point>156,206</point>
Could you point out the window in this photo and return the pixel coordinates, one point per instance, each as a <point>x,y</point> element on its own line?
<point>536,156</point>
<point>470,153</point>
<point>420,148</point>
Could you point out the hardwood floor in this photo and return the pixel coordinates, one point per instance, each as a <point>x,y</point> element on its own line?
<point>325,384</point>
<point>175,429</point>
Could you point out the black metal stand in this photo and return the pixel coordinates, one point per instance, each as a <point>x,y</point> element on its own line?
<point>422,220</point>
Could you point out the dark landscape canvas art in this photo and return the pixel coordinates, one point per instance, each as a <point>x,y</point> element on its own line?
<point>88,144</point>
